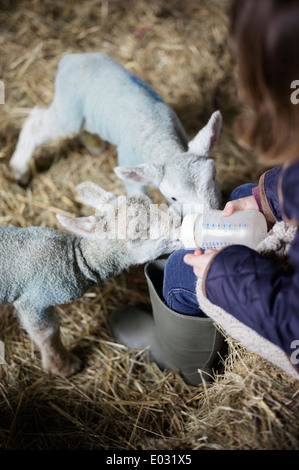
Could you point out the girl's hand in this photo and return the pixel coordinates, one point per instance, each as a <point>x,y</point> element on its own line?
<point>199,261</point>
<point>245,203</point>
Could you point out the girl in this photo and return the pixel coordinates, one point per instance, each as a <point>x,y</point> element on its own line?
<point>255,290</point>
<point>264,36</point>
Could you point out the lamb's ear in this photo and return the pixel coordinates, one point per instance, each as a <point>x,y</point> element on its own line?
<point>207,136</point>
<point>94,195</point>
<point>146,173</point>
<point>82,226</point>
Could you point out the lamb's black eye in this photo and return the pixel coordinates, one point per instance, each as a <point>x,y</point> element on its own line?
<point>174,199</point>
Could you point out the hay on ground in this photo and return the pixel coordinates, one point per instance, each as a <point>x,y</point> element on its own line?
<point>121,400</point>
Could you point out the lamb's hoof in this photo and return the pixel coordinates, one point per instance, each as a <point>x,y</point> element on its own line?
<point>23,178</point>
<point>65,366</point>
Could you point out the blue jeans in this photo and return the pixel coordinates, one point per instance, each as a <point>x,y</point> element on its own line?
<point>179,285</point>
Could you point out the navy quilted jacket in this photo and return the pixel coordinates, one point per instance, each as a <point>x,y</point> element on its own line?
<point>254,289</point>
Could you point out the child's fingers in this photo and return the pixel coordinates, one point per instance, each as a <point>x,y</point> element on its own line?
<point>242,204</point>
<point>210,250</point>
<point>199,263</point>
<point>229,208</point>
<point>188,259</point>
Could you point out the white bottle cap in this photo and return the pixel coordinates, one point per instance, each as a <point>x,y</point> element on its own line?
<point>187,231</point>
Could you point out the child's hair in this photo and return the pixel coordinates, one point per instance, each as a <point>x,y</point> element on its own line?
<point>264,41</point>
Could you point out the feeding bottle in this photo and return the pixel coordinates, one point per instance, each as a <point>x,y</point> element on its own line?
<point>210,229</point>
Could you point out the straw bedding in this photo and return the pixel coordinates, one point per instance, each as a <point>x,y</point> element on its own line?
<point>121,400</point>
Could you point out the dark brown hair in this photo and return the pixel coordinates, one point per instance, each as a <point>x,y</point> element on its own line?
<point>264,41</point>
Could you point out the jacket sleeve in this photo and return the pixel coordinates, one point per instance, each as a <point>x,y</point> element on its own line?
<point>253,288</point>
<point>268,195</point>
<point>256,291</point>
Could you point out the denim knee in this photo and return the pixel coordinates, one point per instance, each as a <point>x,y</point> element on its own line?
<point>179,286</point>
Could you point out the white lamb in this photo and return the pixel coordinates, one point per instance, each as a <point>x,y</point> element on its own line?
<point>95,93</point>
<point>42,267</point>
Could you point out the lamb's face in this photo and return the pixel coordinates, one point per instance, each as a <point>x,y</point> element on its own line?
<point>195,186</point>
<point>157,232</point>
<point>136,218</point>
<point>131,225</point>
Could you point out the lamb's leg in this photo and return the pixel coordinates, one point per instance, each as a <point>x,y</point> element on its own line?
<point>41,125</point>
<point>46,334</point>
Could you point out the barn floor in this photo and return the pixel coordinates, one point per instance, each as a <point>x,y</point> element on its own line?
<point>121,400</point>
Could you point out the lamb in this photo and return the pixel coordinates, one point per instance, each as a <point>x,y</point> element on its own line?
<point>41,267</point>
<point>96,94</point>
